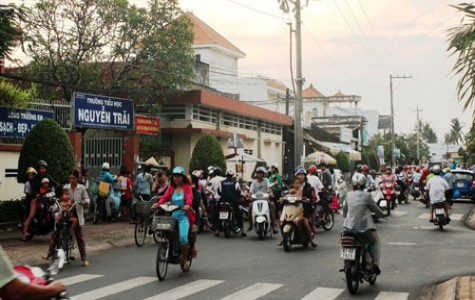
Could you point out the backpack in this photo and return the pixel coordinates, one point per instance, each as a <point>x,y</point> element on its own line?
<point>104,189</point>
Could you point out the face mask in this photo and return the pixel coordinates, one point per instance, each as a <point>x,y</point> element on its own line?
<point>42,171</point>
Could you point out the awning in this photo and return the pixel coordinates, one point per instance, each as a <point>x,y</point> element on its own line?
<point>334,148</point>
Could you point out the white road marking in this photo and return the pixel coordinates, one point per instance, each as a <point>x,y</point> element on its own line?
<point>392,296</point>
<point>115,288</point>
<point>401,244</point>
<point>398,213</point>
<point>78,278</point>
<point>323,294</point>
<point>186,290</point>
<point>254,291</point>
<point>424,216</point>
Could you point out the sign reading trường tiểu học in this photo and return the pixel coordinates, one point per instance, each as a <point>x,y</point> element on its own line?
<point>17,122</point>
<point>104,112</point>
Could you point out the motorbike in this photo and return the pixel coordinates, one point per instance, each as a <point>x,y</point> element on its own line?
<point>325,217</point>
<point>378,197</point>
<point>440,219</point>
<point>261,215</point>
<point>43,221</point>
<point>100,210</point>
<point>389,195</point>
<point>415,192</point>
<point>36,276</point>
<point>166,230</point>
<point>357,261</point>
<point>291,223</point>
<point>227,220</point>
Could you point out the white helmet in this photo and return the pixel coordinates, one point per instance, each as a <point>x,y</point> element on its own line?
<point>197,173</point>
<point>106,166</point>
<point>358,180</point>
<point>275,165</point>
<point>436,169</point>
<point>229,173</point>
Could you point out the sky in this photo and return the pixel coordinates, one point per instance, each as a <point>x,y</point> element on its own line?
<point>352,46</point>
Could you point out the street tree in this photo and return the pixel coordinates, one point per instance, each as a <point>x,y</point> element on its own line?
<point>426,132</point>
<point>343,161</point>
<point>462,44</point>
<point>207,152</point>
<point>13,96</point>
<point>49,142</point>
<point>9,28</point>
<point>455,135</point>
<point>110,47</point>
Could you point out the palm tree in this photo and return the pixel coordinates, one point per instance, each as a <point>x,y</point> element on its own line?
<point>456,135</point>
<point>462,43</point>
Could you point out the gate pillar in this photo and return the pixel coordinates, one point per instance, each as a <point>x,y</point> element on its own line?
<point>76,142</point>
<point>131,151</point>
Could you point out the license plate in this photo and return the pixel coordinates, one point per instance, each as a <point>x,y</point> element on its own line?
<point>439,211</point>
<point>383,203</point>
<point>223,215</point>
<point>348,253</point>
<point>460,185</point>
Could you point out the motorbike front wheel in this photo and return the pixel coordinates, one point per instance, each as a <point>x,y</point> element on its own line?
<point>330,220</point>
<point>287,241</point>
<point>352,280</point>
<point>162,259</point>
<point>260,230</point>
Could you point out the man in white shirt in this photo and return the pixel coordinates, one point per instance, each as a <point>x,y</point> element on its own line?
<point>215,182</point>
<point>313,179</point>
<point>437,186</point>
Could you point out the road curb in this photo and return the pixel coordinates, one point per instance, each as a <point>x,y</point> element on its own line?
<point>457,288</point>
<point>470,220</point>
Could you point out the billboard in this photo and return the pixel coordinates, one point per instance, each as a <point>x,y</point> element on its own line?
<point>16,122</point>
<point>147,125</point>
<point>104,112</point>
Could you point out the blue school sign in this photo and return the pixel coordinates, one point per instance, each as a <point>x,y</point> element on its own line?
<point>16,122</point>
<point>104,112</point>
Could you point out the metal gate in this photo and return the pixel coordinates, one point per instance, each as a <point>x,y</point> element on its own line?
<point>100,150</point>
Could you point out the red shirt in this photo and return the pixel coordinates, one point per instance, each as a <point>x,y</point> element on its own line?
<point>128,191</point>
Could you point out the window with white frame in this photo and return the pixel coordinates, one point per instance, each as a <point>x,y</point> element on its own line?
<point>204,114</point>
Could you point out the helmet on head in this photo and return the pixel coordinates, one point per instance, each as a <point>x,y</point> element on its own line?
<point>364,168</point>
<point>197,173</point>
<point>274,165</point>
<point>261,170</point>
<point>106,166</point>
<point>436,169</point>
<point>358,180</point>
<point>45,180</point>
<point>178,171</point>
<point>447,169</point>
<point>30,170</point>
<point>358,167</point>
<point>300,170</point>
<point>312,169</point>
<point>372,172</point>
<point>217,171</point>
<point>418,169</point>
<point>42,163</point>
<point>229,173</point>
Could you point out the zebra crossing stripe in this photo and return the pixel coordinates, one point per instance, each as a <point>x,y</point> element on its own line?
<point>392,296</point>
<point>186,290</point>
<point>115,288</point>
<point>398,213</point>
<point>254,291</point>
<point>78,279</point>
<point>323,294</point>
<point>453,217</point>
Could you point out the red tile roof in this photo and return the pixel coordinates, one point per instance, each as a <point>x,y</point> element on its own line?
<point>205,35</point>
<point>311,92</point>
<point>220,102</point>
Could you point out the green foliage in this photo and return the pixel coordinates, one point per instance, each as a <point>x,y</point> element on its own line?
<point>49,142</point>
<point>365,159</point>
<point>125,50</point>
<point>461,43</point>
<point>467,153</point>
<point>10,211</point>
<point>455,135</point>
<point>149,146</point>
<point>207,152</point>
<point>407,144</point>
<point>9,29</point>
<point>343,161</point>
<point>12,96</point>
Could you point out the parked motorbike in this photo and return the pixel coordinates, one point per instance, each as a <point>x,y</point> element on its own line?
<point>291,223</point>
<point>43,221</point>
<point>166,230</point>
<point>357,261</point>
<point>261,215</point>
<point>440,219</point>
<point>227,220</point>
<point>36,276</point>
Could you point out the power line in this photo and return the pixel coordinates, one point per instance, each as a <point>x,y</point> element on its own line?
<point>426,10</point>
<point>255,10</point>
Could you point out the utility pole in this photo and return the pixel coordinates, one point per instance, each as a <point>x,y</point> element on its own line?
<point>417,134</point>
<point>393,145</point>
<point>287,100</point>
<point>298,134</point>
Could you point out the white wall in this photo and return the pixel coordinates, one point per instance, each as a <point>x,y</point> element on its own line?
<point>218,61</point>
<point>9,187</point>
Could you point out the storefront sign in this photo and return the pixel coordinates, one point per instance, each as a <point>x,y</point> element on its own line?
<point>103,112</point>
<point>15,122</point>
<point>146,125</point>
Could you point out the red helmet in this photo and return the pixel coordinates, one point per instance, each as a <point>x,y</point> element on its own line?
<point>418,169</point>
<point>425,171</point>
<point>364,168</point>
<point>312,169</point>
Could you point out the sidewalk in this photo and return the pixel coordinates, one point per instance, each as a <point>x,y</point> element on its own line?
<point>100,237</point>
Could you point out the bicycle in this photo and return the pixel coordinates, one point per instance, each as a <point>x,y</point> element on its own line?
<point>64,245</point>
<point>144,225</point>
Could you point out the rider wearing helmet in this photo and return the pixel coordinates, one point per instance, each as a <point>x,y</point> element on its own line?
<point>437,188</point>
<point>314,180</point>
<point>275,180</point>
<point>261,184</point>
<point>42,168</point>
<point>214,181</point>
<point>450,178</point>
<point>357,213</point>
<point>229,191</point>
<point>369,180</point>
<point>308,192</point>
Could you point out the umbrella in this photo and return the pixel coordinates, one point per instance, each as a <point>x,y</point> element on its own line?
<point>316,158</point>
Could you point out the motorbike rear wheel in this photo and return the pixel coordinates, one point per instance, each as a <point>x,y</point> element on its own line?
<point>162,259</point>
<point>140,232</point>
<point>287,241</point>
<point>227,229</point>
<point>352,280</point>
<point>440,222</point>
<point>260,231</point>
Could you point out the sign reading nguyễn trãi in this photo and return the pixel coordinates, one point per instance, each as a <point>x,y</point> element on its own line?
<point>104,112</point>
<point>16,122</point>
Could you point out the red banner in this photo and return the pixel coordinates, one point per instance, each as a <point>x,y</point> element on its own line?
<point>146,125</point>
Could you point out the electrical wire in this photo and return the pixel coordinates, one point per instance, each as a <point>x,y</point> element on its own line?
<point>255,10</point>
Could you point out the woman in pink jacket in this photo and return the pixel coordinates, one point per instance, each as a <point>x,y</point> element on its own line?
<point>180,193</point>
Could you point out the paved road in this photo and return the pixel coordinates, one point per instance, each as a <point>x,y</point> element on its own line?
<point>414,254</point>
